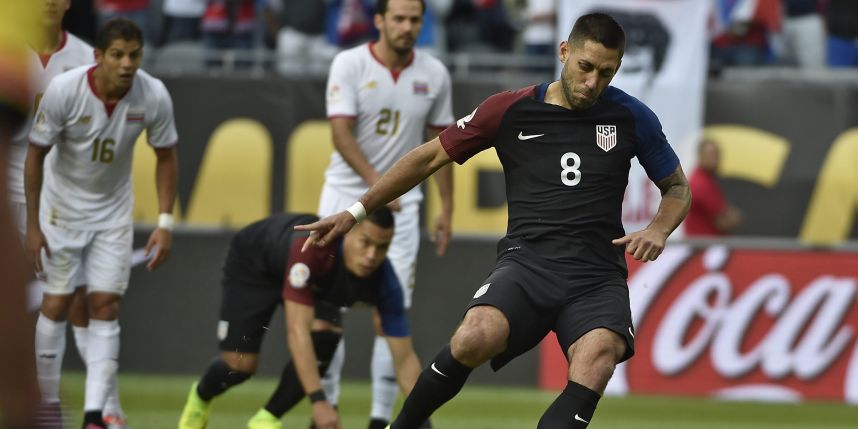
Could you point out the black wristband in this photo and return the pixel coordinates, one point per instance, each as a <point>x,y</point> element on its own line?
<point>316,396</point>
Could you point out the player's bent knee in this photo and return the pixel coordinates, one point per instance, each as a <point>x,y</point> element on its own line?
<point>56,307</point>
<point>600,347</point>
<point>481,336</point>
<point>103,306</point>
<point>325,344</point>
<point>242,363</point>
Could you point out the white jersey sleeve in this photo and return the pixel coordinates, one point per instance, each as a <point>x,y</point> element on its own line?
<point>441,115</point>
<point>161,130</point>
<point>50,118</point>
<point>342,91</point>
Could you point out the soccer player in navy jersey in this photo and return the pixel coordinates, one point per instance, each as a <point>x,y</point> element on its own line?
<point>565,147</point>
<point>264,268</point>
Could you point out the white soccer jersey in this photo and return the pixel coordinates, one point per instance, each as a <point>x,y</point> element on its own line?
<point>391,110</point>
<point>87,182</point>
<point>71,53</point>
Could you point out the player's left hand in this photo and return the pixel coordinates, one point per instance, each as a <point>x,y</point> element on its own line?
<point>326,230</point>
<point>644,245</point>
<point>162,241</point>
<point>441,233</point>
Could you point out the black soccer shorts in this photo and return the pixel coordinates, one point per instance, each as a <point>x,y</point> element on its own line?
<point>536,300</point>
<point>245,314</point>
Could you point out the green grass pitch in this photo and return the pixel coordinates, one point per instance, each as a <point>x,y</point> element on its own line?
<point>154,402</point>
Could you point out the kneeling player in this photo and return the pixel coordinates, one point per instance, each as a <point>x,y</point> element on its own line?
<point>264,267</point>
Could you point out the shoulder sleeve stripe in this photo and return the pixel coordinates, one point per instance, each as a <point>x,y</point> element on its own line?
<point>652,149</point>
<point>477,131</point>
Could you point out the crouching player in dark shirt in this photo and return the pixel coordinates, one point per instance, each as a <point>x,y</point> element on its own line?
<point>264,267</point>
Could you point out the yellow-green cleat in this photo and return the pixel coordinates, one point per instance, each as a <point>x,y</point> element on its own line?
<point>195,415</point>
<point>264,420</point>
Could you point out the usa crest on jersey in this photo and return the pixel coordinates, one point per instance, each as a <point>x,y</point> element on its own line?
<point>606,136</point>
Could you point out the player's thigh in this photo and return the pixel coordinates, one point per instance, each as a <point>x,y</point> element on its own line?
<point>605,304</point>
<point>529,300</point>
<point>327,316</point>
<point>404,247</point>
<point>245,314</point>
<point>107,261</point>
<point>65,266</point>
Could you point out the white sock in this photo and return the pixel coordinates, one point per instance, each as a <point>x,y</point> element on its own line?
<point>384,386</point>
<point>50,348</point>
<point>112,406</point>
<point>80,336</point>
<point>331,379</point>
<point>102,356</point>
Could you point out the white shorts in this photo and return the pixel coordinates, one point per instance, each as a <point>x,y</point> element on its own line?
<point>406,237</point>
<point>102,259</point>
<point>35,287</point>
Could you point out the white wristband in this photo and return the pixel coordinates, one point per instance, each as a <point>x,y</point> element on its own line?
<point>358,211</point>
<point>165,221</point>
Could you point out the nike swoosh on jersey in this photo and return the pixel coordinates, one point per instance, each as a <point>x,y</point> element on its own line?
<point>577,417</point>
<point>521,136</point>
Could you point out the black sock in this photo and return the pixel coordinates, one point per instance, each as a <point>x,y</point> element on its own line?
<point>289,391</point>
<point>437,384</point>
<point>575,406</point>
<point>93,417</point>
<point>218,378</point>
<point>377,423</point>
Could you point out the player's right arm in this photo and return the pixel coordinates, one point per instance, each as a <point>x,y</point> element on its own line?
<point>299,319</point>
<point>33,177</point>
<point>298,302</point>
<point>345,142</point>
<point>405,174</point>
<point>46,131</point>
<point>341,106</point>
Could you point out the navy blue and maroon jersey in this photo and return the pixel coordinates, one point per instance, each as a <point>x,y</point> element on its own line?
<point>319,274</point>
<point>258,252</point>
<point>566,170</point>
<point>268,252</point>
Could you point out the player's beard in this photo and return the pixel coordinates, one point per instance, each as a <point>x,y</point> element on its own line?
<point>402,48</point>
<point>569,94</point>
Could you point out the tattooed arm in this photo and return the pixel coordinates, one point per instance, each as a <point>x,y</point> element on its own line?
<point>648,243</point>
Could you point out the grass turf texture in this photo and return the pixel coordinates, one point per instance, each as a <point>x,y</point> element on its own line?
<point>154,402</point>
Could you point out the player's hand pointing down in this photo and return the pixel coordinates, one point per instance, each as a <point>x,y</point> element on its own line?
<point>324,231</point>
<point>644,245</point>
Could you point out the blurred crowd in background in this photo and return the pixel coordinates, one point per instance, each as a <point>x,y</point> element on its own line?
<point>809,34</point>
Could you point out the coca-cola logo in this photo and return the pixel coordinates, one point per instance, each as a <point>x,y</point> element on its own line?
<point>777,325</point>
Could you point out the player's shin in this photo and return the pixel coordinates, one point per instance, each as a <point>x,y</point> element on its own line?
<point>331,376</point>
<point>384,386</point>
<point>289,391</point>
<point>50,347</point>
<point>102,361</point>
<point>218,378</point>
<point>576,404</point>
<point>437,384</point>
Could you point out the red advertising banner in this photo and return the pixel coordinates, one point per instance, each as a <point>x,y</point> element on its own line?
<point>738,323</point>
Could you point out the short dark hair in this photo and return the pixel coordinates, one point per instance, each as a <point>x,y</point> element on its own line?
<point>117,28</point>
<point>381,217</point>
<point>381,6</point>
<point>599,27</point>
